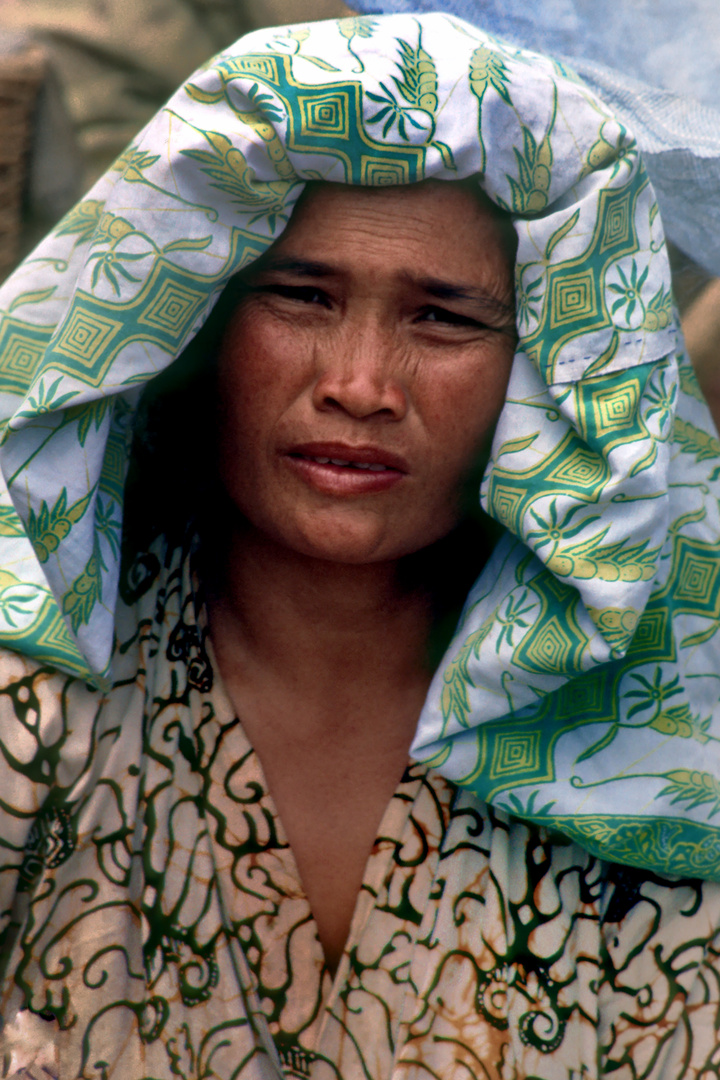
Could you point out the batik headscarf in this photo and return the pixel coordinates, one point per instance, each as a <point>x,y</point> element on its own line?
<point>656,69</point>
<point>581,689</point>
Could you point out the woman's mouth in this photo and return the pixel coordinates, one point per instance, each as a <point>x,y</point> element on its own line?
<point>346,471</point>
<point>348,464</point>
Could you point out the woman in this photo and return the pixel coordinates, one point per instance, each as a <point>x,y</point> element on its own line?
<point>156,922</point>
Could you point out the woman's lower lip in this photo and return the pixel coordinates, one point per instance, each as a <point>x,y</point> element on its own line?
<point>342,479</point>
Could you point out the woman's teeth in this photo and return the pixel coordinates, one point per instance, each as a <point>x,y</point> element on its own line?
<point>349,464</point>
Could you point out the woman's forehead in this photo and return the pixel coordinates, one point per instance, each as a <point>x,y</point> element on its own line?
<point>459,202</point>
<point>437,225</point>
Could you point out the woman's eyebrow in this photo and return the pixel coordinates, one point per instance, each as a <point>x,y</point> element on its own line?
<point>291,265</point>
<point>444,290</point>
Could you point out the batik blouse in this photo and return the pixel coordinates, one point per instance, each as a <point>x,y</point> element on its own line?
<point>161,928</point>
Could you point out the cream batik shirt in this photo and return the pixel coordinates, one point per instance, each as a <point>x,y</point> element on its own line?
<point>156,926</point>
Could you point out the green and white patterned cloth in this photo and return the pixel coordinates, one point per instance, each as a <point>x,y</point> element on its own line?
<point>582,688</point>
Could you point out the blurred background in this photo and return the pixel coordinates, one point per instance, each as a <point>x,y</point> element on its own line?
<point>79,78</point>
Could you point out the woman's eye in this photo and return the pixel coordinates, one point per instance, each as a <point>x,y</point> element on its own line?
<point>445,315</point>
<point>305,294</point>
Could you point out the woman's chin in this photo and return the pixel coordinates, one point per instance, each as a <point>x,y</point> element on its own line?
<point>353,543</point>
<point>365,540</point>
<point>354,550</point>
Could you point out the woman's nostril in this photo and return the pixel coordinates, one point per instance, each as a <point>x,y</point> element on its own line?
<point>361,393</point>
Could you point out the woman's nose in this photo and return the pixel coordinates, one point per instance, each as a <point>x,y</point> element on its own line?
<point>363,375</point>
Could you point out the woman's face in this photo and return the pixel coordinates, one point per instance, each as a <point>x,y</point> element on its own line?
<point>365,368</point>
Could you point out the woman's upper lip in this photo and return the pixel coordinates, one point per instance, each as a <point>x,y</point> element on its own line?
<point>363,455</point>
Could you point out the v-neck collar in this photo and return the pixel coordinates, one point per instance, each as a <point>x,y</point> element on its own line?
<point>265,906</point>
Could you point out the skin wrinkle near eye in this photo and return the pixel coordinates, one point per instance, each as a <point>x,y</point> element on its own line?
<point>443,291</point>
<point>491,304</point>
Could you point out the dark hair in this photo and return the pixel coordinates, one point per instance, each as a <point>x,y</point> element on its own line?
<point>171,479</point>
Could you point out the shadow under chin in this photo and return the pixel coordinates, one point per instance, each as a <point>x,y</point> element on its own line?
<point>446,571</point>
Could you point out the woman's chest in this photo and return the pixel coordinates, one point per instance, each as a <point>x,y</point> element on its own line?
<point>330,803</point>
<point>462,948</point>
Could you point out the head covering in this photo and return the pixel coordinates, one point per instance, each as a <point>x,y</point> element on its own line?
<point>581,687</point>
<point>656,66</point>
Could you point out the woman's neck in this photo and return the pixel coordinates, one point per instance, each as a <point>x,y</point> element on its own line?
<point>328,630</point>
<point>325,666</point>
